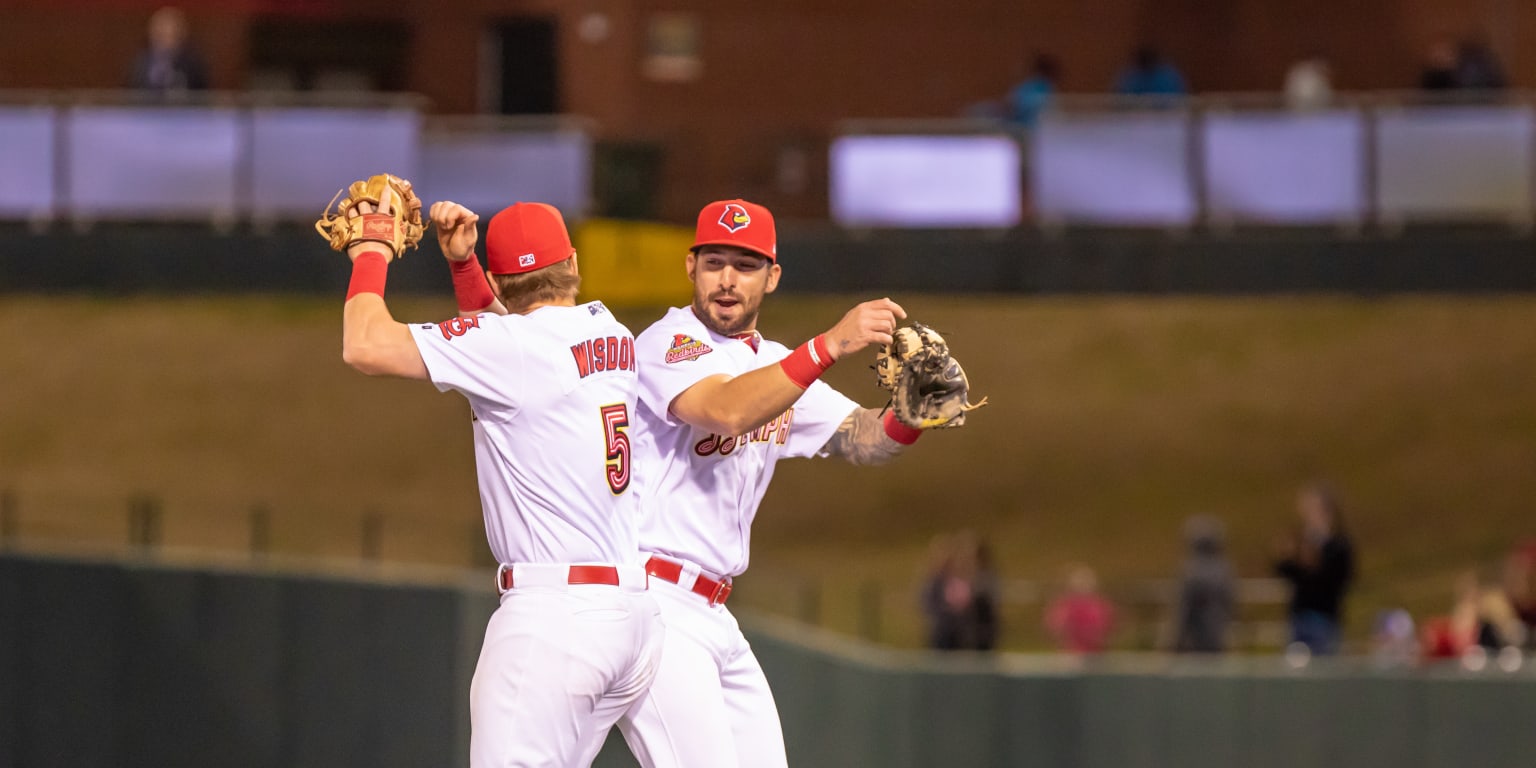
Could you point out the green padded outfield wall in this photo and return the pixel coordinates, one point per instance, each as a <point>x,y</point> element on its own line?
<point>847,704</point>
<point>171,259</point>
<point>132,664</point>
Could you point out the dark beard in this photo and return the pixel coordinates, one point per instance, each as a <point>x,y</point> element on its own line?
<point>701,311</point>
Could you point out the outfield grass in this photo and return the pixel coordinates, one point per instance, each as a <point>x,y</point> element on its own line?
<point>1112,419</point>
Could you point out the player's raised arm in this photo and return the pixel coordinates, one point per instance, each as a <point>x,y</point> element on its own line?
<point>374,224</point>
<point>733,405</point>
<point>372,341</point>
<point>457,232</point>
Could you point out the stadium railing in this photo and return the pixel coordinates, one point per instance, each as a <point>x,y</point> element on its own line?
<point>225,157</point>
<point>153,527</point>
<point>1377,159</point>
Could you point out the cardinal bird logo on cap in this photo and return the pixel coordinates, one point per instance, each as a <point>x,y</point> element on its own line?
<point>735,217</point>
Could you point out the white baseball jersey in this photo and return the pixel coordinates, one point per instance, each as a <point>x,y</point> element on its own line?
<point>552,393</point>
<point>701,490</point>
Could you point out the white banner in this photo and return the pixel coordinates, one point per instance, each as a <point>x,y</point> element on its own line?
<point>488,171</point>
<point>1113,168</point>
<point>1282,167</point>
<point>301,157</point>
<point>27,157</point>
<point>152,162</point>
<point>1454,162</point>
<point>926,181</point>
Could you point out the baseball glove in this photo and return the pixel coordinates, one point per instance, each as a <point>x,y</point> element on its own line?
<point>928,387</point>
<point>395,222</point>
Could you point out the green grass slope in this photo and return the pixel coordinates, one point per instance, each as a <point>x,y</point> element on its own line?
<point>1111,420</point>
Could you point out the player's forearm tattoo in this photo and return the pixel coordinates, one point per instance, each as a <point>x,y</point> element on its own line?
<point>861,439</point>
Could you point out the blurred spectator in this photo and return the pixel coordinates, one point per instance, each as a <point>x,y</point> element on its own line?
<point>1149,74</point>
<point>983,594</point>
<point>1469,66</point>
<point>170,63</point>
<point>1319,563</point>
<point>1080,618</point>
<point>1439,67</point>
<point>1206,590</point>
<point>1309,83</point>
<point>1520,586</point>
<point>1393,641</point>
<point>1482,616</point>
<point>944,595</point>
<point>1477,67</point>
<point>1029,98</point>
<point>960,595</point>
<point>1450,635</point>
<point>1498,625</point>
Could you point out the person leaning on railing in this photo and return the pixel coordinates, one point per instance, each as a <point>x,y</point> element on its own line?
<point>170,63</point>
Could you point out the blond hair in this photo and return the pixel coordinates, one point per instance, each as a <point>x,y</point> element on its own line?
<point>546,285</point>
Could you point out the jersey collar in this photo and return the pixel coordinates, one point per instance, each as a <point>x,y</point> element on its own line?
<point>752,338</point>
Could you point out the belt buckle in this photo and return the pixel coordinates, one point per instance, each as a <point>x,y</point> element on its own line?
<point>722,591</point>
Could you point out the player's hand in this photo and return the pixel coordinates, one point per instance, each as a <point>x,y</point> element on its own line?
<point>363,207</point>
<point>872,322</point>
<point>456,230</point>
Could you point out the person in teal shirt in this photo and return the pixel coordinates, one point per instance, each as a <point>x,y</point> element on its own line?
<point>1150,75</point>
<point>1029,98</point>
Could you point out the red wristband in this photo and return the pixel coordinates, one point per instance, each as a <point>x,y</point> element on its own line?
<point>900,432</point>
<point>368,272</point>
<point>806,364</point>
<point>469,285</point>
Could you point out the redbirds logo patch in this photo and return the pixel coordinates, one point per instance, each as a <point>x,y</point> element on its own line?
<point>735,217</point>
<point>685,347</point>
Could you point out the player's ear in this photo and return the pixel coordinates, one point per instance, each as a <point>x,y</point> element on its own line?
<point>689,262</point>
<point>773,277</point>
<point>574,270</point>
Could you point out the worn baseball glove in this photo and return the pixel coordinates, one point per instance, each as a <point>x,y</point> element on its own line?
<point>395,222</point>
<point>928,387</point>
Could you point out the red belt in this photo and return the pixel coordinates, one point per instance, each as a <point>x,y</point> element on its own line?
<point>714,591</point>
<point>579,574</point>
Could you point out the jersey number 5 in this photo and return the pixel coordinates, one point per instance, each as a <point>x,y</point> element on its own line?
<point>615,422</point>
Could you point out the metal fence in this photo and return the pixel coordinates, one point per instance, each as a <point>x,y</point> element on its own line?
<point>225,157</point>
<point>1378,160</point>
<point>152,527</point>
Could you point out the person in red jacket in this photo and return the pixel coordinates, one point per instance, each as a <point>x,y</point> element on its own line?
<point>1081,618</point>
<point>1449,635</point>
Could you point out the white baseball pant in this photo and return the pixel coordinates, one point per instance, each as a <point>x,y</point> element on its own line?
<point>710,706</point>
<point>560,664</point>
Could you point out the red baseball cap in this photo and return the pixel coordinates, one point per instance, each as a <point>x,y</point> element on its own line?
<point>524,237</point>
<point>739,223</point>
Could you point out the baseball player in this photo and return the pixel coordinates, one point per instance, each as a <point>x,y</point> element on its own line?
<point>719,405</point>
<point>551,387</point>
